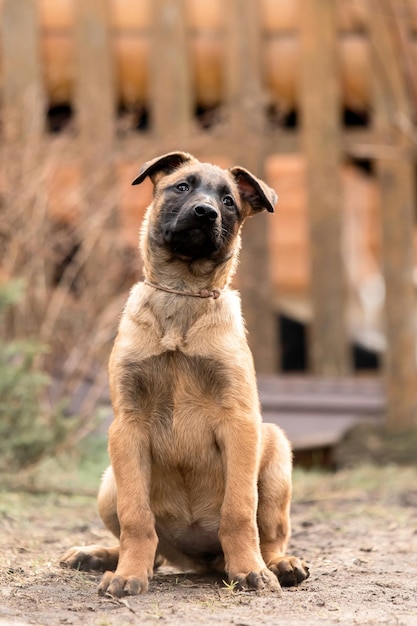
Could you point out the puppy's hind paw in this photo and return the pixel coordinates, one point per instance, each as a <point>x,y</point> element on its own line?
<point>90,558</point>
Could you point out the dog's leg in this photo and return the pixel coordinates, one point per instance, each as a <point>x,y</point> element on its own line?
<point>95,557</point>
<point>238,532</point>
<point>274,489</point>
<point>130,455</point>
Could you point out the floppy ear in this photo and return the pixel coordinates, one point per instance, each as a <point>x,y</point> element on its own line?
<point>162,165</point>
<point>254,191</point>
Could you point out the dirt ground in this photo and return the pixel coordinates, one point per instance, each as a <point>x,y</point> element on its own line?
<point>357,529</point>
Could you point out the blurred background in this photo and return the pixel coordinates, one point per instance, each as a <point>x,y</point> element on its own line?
<point>317,97</point>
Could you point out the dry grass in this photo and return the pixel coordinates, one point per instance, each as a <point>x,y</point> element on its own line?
<point>75,267</point>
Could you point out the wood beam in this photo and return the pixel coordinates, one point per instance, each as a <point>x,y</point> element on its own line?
<point>321,143</point>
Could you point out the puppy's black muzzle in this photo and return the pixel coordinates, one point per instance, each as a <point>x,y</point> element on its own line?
<point>195,232</point>
<point>206,212</point>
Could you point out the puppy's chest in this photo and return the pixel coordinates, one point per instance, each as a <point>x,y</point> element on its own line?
<point>178,396</point>
<point>185,440</point>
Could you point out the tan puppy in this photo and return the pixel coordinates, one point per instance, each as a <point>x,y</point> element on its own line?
<point>195,476</point>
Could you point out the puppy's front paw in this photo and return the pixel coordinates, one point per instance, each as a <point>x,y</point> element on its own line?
<point>289,570</point>
<point>117,585</point>
<point>264,580</point>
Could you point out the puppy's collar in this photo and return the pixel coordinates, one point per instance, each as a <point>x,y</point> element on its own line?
<point>203,293</point>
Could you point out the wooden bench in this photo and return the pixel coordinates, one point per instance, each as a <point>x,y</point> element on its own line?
<point>316,413</point>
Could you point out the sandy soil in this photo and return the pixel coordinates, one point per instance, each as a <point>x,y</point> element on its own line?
<point>357,529</point>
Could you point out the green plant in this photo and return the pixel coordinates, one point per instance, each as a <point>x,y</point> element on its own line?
<point>30,428</point>
<point>230,585</point>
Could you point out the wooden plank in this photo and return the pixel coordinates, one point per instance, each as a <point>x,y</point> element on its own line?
<point>22,121</point>
<point>309,431</point>
<point>393,115</point>
<point>170,79</point>
<point>365,144</point>
<point>94,94</point>
<point>205,145</point>
<point>246,144</point>
<point>321,141</point>
<point>96,117</point>
<point>319,396</point>
<point>23,97</point>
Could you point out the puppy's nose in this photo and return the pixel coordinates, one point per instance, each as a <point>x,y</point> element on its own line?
<point>206,211</point>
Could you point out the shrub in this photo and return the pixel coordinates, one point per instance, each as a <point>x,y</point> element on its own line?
<point>30,429</point>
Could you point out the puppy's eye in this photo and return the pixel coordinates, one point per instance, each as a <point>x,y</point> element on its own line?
<point>228,201</point>
<point>182,187</point>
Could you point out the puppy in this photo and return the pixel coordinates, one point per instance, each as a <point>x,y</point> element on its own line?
<point>195,476</point>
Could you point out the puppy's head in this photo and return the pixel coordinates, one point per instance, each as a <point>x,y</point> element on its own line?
<point>198,208</point>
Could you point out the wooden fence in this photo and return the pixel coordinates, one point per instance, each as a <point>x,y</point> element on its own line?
<point>389,142</point>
